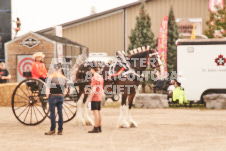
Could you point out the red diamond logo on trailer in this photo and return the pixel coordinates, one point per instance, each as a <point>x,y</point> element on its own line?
<point>220,60</point>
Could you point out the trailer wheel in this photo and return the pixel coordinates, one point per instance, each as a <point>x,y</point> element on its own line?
<point>70,104</point>
<point>202,100</point>
<point>211,91</point>
<point>115,97</point>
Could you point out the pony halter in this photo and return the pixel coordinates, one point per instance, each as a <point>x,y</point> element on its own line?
<point>157,58</point>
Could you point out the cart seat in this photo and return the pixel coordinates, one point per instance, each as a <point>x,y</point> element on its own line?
<point>27,74</point>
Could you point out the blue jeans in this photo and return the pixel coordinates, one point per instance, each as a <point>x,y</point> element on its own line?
<point>56,101</point>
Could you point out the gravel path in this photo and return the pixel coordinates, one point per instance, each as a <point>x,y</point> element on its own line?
<point>158,130</point>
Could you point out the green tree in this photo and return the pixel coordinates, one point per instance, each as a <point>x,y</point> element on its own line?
<point>142,34</point>
<point>216,25</point>
<point>173,35</point>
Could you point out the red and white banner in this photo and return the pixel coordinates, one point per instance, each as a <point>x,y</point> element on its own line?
<point>60,52</point>
<point>213,3</point>
<point>162,43</point>
<point>59,31</point>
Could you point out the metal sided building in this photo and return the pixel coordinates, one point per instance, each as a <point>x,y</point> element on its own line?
<point>109,31</point>
<point>5,25</point>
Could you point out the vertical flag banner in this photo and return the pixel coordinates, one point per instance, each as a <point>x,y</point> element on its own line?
<point>59,33</point>
<point>213,3</point>
<point>193,32</point>
<point>162,44</point>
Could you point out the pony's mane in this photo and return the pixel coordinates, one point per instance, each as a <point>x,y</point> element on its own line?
<point>140,54</point>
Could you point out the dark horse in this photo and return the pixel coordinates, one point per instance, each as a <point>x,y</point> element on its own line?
<point>126,85</point>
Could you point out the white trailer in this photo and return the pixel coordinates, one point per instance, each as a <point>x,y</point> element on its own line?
<point>101,56</point>
<point>201,66</point>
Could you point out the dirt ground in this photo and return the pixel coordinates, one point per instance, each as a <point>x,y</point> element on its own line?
<point>158,130</point>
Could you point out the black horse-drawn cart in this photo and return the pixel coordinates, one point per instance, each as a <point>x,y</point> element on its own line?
<point>29,102</point>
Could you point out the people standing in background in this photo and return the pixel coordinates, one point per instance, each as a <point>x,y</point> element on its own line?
<point>4,73</point>
<point>38,70</point>
<point>56,89</point>
<point>18,24</point>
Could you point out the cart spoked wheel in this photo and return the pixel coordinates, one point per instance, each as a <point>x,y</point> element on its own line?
<point>69,107</point>
<point>29,102</point>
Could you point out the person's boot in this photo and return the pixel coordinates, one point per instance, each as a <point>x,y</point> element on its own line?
<point>50,132</point>
<point>99,129</point>
<point>95,130</point>
<point>60,132</point>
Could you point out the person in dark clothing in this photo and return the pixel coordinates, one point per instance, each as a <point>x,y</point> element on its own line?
<point>56,89</point>
<point>4,73</point>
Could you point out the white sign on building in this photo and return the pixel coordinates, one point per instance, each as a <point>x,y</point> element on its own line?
<point>24,64</point>
<point>59,31</point>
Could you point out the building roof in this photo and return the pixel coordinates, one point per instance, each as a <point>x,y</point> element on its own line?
<point>93,16</point>
<point>60,39</point>
<point>49,38</point>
